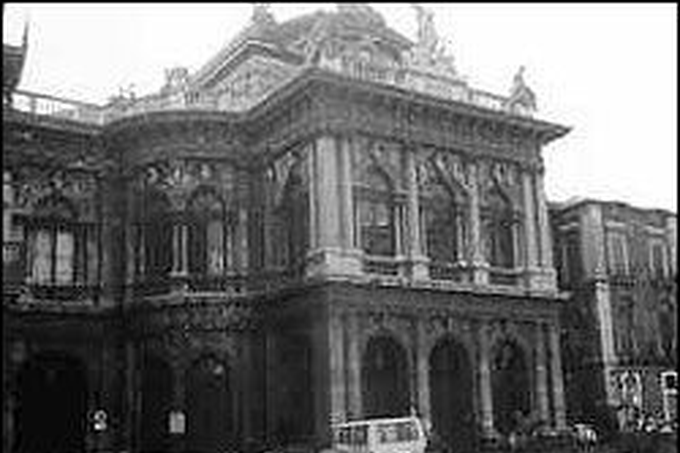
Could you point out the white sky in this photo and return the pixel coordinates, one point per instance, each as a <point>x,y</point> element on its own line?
<point>609,71</point>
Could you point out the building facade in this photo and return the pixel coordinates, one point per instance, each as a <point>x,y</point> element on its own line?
<point>323,223</point>
<point>620,350</point>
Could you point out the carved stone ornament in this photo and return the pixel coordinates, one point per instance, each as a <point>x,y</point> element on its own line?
<point>454,169</point>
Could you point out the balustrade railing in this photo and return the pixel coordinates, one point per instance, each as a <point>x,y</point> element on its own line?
<point>439,85</point>
<point>380,265</point>
<point>505,277</point>
<point>453,272</point>
<point>43,104</point>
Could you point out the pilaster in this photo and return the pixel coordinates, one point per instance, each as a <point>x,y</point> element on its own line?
<point>422,378</point>
<point>556,374</point>
<point>418,260</point>
<point>353,365</point>
<point>337,368</point>
<point>542,375</point>
<point>479,263</point>
<point>485,389</point>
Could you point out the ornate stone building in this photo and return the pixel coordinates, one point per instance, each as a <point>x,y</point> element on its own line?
<point>323,223</point>
<point>620,350</point>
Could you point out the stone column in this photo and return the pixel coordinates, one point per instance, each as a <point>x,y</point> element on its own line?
<point>337,368</point>
<point>423,378</point>
<point>543,223</point>
<point>415,252</point>
<point>272,404</point>
<point>179,373</point>
<point>239,248</point>
<point>557,382</point>
<point>480,266</point>
<point>353,367</point>
<point>542,375</point>
<point>485,389</point>
<point>529,222</point>
<point>177,251</point>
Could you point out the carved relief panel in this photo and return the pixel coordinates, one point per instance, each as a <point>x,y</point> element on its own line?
<point>385,156</point>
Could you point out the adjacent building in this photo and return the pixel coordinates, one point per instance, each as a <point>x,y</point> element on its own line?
<point>619,263</point>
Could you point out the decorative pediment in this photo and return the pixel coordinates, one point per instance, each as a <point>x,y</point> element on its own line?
<point>250,82</point>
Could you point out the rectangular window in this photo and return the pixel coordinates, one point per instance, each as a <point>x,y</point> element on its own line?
<point>657,261</point>
<point>669,390</point>
<point>64,258</point>
<point>617,253</point>
<point>41,257</point>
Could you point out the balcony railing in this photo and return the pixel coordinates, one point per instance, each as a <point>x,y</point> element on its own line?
<point>453,272</point>
<point>441,86</point>
<point>505,277</point>
<point>380,265</point>
<point>43,104</point>
<point>409,78</point>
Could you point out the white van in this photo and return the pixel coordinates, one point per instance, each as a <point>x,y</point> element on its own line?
<point>380,435</point>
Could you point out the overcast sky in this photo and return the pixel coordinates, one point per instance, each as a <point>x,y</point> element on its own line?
<point>609,71</point>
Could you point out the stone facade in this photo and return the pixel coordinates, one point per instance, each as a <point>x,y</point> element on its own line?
<point>310,229</point>
<point>620,350</point>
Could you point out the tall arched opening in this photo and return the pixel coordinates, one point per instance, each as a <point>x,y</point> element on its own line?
<point>511,386</point>
<point>209,401</point>
<point>451,391</point>
<point>385,379</point>
<point>51,410</point>
<point>156,405</point>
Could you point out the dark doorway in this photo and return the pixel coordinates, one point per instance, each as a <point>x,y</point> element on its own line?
<point>210,422</point>
<point>511,387</point>
<point>385,380</point>
<point>451,393</point>
<point>296,394</point>
<point>156,405</point>
<point>51,411</point>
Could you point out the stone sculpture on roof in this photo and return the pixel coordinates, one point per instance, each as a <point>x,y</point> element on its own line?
<point>430,54</point>
<point>522,98</point>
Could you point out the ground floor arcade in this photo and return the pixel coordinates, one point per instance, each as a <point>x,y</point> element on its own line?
<point>472,366</point>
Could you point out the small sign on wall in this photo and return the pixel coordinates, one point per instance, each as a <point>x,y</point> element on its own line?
<point>177,422</point>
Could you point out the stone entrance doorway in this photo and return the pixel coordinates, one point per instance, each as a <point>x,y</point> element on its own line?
<point>451,391</point>
<point>385,379</point>
<point>511,387</point>
<point>51,409</point>
<point>210,420</point>
<point>156,404</point>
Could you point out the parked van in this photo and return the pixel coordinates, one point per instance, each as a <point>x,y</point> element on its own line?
<point>380,435</point>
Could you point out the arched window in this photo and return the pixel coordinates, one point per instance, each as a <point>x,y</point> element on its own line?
<point>210,234</point>
<point>376,215</point>
<point>57,244</point>
<point>500,235</point>
<point>157,234</point>
<point>444,224</point>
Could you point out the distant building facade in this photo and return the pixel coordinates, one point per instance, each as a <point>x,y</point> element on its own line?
<point>323,223</point>
<point>620,346</point>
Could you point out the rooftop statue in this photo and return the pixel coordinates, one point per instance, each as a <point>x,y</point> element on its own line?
<point>430,52</point>
<point>427,35</point>
<point>520,94</point>
<point>262,13</point>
